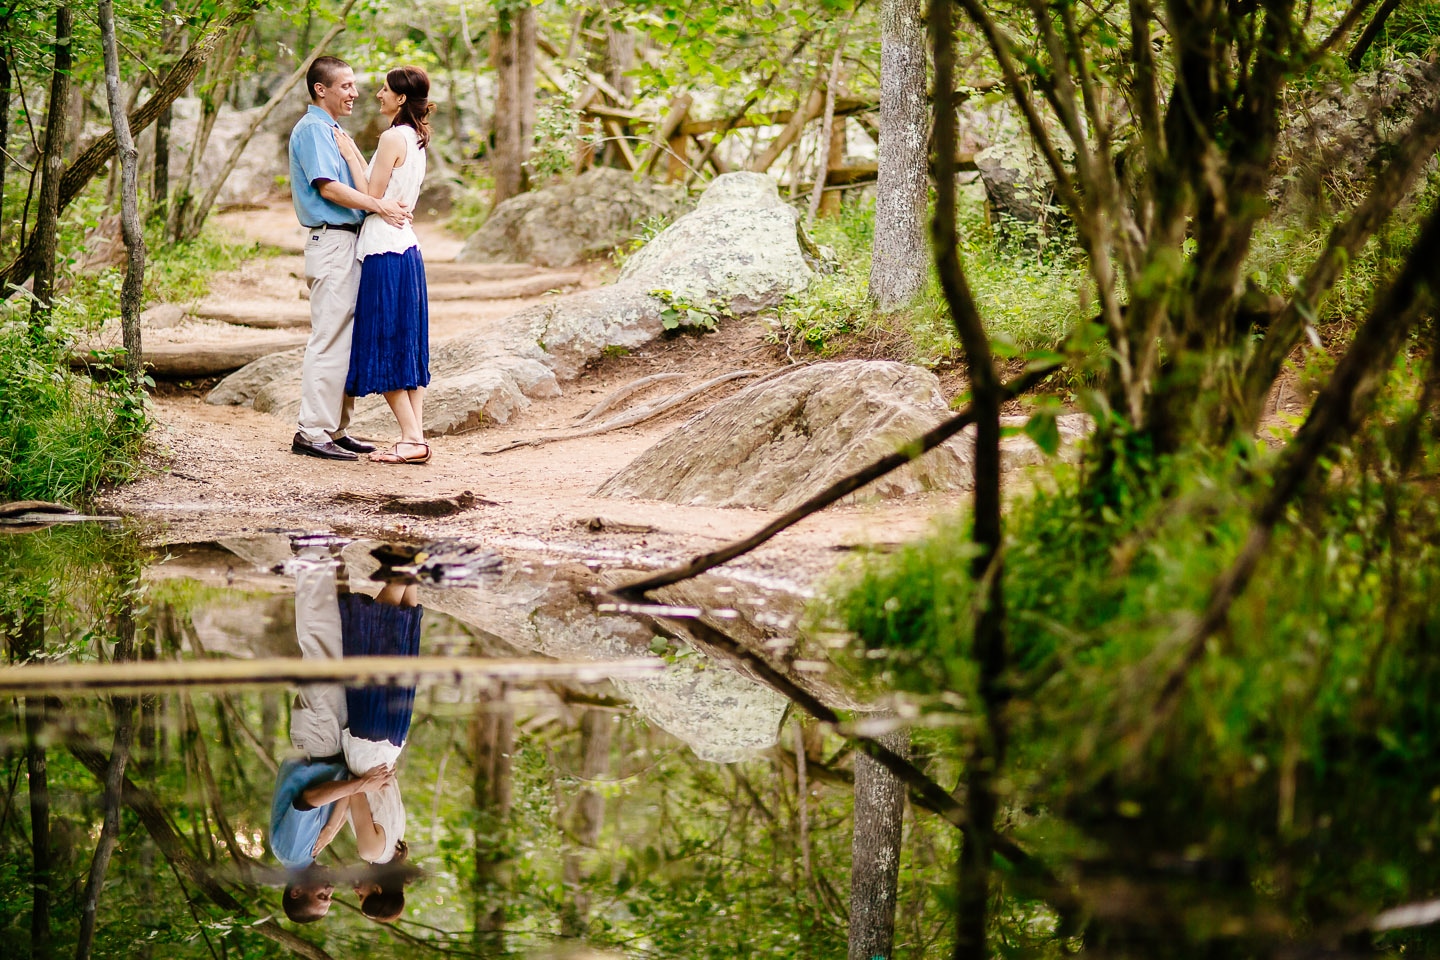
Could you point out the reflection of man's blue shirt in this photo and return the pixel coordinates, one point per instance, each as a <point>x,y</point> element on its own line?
<point>293,831</point>
<point>314,156</point>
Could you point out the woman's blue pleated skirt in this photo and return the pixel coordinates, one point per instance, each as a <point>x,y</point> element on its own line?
<point>390,344</point>
<point>371,629</point>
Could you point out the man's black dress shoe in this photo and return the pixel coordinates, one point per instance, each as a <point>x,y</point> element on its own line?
<point>354,446</point>
<point>325,451</point>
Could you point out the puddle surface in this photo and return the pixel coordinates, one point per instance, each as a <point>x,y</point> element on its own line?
<point>508,764</point>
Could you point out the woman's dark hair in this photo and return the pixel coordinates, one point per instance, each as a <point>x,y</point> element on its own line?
<point>413,83</point>
<point>388,903</point>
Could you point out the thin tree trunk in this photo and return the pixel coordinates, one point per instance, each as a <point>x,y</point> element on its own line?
<point>210,102</point>
<point>4,127</point>
<point>132,292</point>
<point>587,817</point>
<point>51,164</point>
<point>900,256</point>
<point>114,781</point>
<point>526,34</point>
<point>1371,33</point>
<point>807,108</point>
<point>822,161</point>
<point>194,215</point>
<point>160,182</point>
<point>879,816</point>
<point>512,54</point>
<point>492,743</point>
<point>31,642</point>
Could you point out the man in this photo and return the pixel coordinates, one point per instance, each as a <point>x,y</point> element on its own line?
<point>331,210</point>
<point>313,791</point>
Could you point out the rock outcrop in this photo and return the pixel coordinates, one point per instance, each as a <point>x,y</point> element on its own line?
<point>737,253</point>
<point>779,442</point>
<point>571,222</point>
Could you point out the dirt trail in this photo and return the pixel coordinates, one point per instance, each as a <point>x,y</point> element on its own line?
<point>216,471</point>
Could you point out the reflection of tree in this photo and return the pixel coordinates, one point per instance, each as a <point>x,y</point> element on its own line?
<point>875,860</point>
<point>586,815</point>
<point>492,741</point>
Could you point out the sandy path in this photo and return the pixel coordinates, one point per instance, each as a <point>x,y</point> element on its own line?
<point>214,471</point>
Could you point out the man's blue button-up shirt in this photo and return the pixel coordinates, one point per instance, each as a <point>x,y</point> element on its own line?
<point>314,158</point>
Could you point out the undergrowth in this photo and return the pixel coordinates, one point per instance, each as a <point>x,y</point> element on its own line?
<point>1028,297</point>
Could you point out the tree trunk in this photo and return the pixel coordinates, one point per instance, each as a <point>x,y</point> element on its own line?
<point>900,256</point>
<point>875,852</point>
<point>827,128</point>
<point>210,103</point>
<point>31,635</point>
<point>51,164</point>
<point>114,782</point>
<point>512,53</point>
<point>1372,31</point>
<point>160,182</point>
<point>620,57</point>
<point>4,128</point>
<point>834,160</point>
<point>133,291</point>
<point>587,816</point>
<point>492,743</point>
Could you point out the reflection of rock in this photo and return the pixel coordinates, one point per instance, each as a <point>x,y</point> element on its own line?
<point>573,221</point>
<point>246,626</point>
<point>738,252</point>
<point>774,444</point>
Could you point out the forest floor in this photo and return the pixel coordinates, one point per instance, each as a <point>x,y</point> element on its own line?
<point>217,471</point>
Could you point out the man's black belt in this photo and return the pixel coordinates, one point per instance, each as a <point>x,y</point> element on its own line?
<point>347,227</point>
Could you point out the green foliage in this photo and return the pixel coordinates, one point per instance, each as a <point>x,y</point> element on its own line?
<point>61,435</point>
<point>1315,706</point>
<point>1029,300</point>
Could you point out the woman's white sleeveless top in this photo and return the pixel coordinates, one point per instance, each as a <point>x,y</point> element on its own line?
<point>377,236</point>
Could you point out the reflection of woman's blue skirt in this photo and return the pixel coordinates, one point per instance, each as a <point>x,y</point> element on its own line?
<point>390,345</point>
<point>370,629</point>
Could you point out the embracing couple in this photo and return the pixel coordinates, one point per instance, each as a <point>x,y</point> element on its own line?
<point>369,314</point>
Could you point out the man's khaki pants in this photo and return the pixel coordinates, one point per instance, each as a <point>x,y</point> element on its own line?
<point>333,274</point>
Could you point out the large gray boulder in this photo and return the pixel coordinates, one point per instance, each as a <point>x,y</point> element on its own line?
<point>779,442</point>
<point>776,443</point>
<point>738,252</point>
<point>571,222</point>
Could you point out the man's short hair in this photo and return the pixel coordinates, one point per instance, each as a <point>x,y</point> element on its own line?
<point>323,70</point>
<point>301,904</point>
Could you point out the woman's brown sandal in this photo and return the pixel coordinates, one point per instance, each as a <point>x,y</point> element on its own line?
<point>393,454</point>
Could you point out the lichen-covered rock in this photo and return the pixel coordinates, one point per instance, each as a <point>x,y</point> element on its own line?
<point>571,222</point>
<point>776,443</point>
<point>739,247</point>
<point>242,386</point>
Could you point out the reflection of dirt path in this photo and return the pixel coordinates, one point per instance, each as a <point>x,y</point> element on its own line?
<point>224,470</point>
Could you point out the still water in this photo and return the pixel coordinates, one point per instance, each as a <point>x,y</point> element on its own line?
<point>552,778</point>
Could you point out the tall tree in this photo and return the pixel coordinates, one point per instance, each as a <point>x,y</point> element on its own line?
<point>512,54</point>
<point>133,290</point>
<point>52,163</point>
<point>160,182</point>
<point>879,816</point>
<point>900,258</point>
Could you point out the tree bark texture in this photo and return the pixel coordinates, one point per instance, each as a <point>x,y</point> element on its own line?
<point>586,817</point>
<point>160,178</point>
<point>215,90</point>
<point>879,816</point>
<point>492,743</point>
<point>52,162</point>
<point>900,257</point>
<point>132,292</point>
<point>827,126</point>
<point>5,82</point>
<point>512,54</point>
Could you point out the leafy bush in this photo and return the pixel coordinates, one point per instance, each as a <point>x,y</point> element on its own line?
<point>1313,710</point>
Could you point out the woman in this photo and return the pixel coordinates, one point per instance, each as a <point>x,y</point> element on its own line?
<point>379,715</point>
<point>390,347</point>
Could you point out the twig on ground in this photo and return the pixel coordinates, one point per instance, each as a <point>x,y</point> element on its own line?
<point>630,388</point>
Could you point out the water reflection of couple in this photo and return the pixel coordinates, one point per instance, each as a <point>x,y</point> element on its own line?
<point>350,740</point>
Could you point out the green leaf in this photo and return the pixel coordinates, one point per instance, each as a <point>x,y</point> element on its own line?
<point>1043,428</point>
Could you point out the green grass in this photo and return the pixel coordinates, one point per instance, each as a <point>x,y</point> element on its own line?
<point>1026,297</point>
